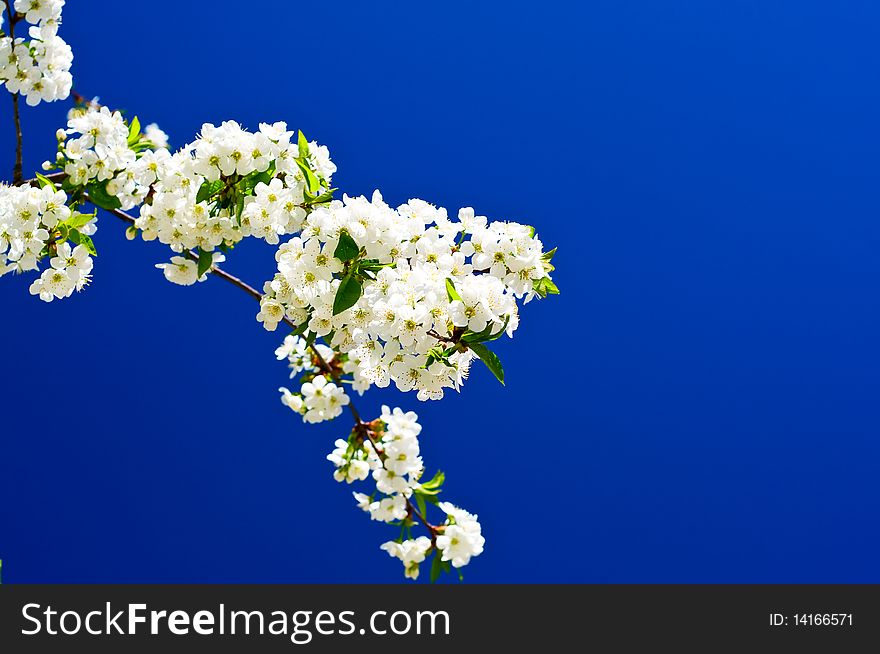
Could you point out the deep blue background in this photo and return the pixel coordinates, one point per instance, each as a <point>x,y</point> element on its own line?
<point>701,403</point>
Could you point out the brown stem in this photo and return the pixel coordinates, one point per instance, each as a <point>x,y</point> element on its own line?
<point>365,429</point>
<point>17,176</point>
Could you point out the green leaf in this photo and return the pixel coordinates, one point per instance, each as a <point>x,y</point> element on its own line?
<point>303,145</point>
<point>312,181</point>
<point>249,182</point>
<point>491,360</point>
<point>545,287</point>
<point>142,145</point>
<point>420,500</point>
<point>209,189</point>
<point>546,258</point>
<point>436,567</point>
<point>78,220</point>
<point>239,208</point>
<point>435,482</point>
<point>134,131</point>
<point>45,181</point>
<point>206,260</point>
<point>348,294</point>
<point>499,333</point>
<point>451,292</point>
<point>78,238</point>
<point>299,331</point>
<point>486,335</point>
<point>347,249</point>
<point>99,196</point>
<point>326,196</point>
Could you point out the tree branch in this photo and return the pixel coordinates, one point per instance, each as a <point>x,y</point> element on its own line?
<point>359,424</point>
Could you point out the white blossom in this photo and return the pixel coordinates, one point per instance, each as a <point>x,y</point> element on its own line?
<point>411,552</point>
<point>38,67</point>
<point>462,536</point>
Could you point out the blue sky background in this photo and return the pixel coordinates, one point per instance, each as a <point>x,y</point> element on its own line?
<point>700,405</point>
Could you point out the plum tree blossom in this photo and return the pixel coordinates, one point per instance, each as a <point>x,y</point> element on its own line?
<point>372,294</point>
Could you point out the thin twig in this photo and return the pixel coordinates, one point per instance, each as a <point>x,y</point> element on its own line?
<point>17,176</point>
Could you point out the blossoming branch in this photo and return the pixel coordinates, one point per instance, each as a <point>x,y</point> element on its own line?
<point>372,294</point>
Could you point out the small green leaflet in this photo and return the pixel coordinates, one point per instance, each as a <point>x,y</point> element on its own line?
<point>301,329</point>
<point>432,487</point>
<point>545,287</point>
<point>324,197</point>
<point>79,238</point>
<point>45,181</point>
<point>488,357</point>
<point>78,220</point>
<point>206,260</point>
<point>249,183</point>
<point>438,566</point>
<point>134,131</point>
<point>347,249</point>
<point>239,208</point>
<point>420,500</point>
<point>451,292</point>
<point>209,189</point>
<point>486,335</point>
<point>348,294</point>
<point>99,196</point>
<point>142,145</point>
<point>312,181</point>
<point>302,144</point>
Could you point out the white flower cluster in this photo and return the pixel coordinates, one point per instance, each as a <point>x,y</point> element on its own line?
<point>459,539</point>
<point>411,552</point>
<point>392,455</point>
<point>31,223</point>
<point>185,271</point>
<point>318,399</point>
<point>393,459</point>
<point>420,281</point>
<point>296,351</point>
<point>462,537</point>
<point>38,68</point>
<point>98,146</point>
<point>230,184</point>
<point>70,270</point>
